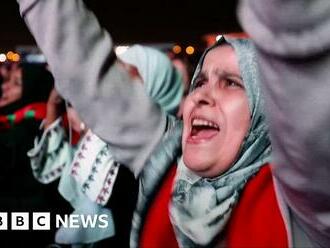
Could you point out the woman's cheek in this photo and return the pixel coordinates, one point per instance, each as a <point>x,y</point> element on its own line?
<point>187,108</point>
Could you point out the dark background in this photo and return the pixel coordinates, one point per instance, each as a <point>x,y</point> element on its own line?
<point>138,21</point>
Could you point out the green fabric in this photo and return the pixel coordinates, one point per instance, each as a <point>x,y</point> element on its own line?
<point>162,82</point>
<point>50,154</point>
<point>57,155</point>
<point>30,114</point>
<point>11,118</point>
<point>201,207</point>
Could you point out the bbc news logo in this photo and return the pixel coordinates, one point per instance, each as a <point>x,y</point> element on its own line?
<point>42,221</point>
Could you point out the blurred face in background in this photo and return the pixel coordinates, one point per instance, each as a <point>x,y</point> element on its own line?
<point>4,72</point>
<point>216,115</point>
<point>12,88</point>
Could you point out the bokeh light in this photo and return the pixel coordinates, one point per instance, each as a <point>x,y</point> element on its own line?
<point>3,57</point>
<point>177,49</point>
<point>190,50</point>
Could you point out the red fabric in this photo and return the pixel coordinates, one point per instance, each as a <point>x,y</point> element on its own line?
<point>39,109</point>
<point>75,135</point>
<point>4,123</point>
<point>157,230</point>
<point>257,220</point>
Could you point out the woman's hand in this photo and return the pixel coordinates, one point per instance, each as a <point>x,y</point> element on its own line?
<point>54,107</point>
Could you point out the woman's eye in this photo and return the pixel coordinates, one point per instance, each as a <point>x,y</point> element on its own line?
<point>199,83</point>
<point>234,84</point>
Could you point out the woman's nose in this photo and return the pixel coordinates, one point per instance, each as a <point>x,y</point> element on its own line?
<point>5,86</point>
<point>205,96</point>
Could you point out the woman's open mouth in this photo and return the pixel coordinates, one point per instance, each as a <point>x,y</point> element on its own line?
<point>202,129</point>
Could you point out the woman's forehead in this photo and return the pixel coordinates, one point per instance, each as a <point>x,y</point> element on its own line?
<point>221,59</point>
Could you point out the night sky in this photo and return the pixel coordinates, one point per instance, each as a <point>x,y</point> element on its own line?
<point>138,21</point>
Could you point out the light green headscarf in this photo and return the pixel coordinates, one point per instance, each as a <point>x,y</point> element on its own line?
<point>162,82</point>
<point>201,207</point>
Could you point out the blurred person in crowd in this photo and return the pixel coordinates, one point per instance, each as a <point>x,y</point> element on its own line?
<point>22,107</point>
<point>4,72</point>
<point>88,172</point>
<point>224,191</point>
<point>6,69</point>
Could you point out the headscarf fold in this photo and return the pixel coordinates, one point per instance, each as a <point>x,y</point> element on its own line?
<point>162,82</point>
<point>201,207</point>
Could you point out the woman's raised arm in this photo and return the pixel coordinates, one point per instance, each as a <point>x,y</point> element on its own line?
<point>293,44</point>
<point>81,57</point>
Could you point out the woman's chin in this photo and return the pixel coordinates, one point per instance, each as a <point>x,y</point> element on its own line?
<point>195,163</point>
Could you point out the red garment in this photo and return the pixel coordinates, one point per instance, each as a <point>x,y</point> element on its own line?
<point>157,230</point>
<point>75,135</point>
<point>255,222</point>
<point>36,111</point>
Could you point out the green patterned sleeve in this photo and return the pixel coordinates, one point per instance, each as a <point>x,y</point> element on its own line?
<point>51,153</point>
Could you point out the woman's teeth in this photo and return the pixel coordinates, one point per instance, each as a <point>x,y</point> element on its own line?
<point>204,123</point>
